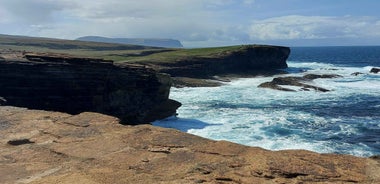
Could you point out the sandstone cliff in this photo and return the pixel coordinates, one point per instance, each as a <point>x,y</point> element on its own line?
<point>42,147</point>
<point>134,93</point>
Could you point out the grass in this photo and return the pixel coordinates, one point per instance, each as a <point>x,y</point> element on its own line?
<point>109,51</point>
<point>180,54</point>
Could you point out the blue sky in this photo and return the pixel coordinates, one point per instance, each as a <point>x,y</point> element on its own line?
<point>200,23</point>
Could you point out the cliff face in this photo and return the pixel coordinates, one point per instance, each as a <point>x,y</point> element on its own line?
<point>249,59</point>
<point>91,148</point>
<point>133,93</point>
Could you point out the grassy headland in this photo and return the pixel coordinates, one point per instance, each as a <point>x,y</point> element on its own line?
<point>110,51</point>
<point>196,63</point>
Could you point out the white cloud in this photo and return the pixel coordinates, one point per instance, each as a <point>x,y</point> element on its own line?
<point>313,27</point>
<point>32,11</point>
<point>187,20</point>
<point>192,21</point>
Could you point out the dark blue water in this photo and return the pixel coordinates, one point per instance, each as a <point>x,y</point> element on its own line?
<point>356,56</point>
<point>345,120</point>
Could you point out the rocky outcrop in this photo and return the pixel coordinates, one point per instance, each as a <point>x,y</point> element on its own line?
<point>278,83</point>
<point>133,93</point>
<point>248,59</point>
<point>50,147</point>
<point>375,70</point>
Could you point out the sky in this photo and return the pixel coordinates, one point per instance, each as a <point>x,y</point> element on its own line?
<point>199,23</point>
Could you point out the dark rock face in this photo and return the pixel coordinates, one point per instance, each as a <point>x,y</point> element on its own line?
<point>133,93</point>
<point>375,70</point>
<point>250,59</point>
<point>296,81</point>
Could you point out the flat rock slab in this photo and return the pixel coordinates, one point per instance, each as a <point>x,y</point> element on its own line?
<point>94,148</point>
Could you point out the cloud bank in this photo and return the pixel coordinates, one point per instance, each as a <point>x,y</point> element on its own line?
<point>314,27</point>
<point>194,22</point>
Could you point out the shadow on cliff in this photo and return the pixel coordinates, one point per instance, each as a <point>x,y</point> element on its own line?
<point>182,124</point>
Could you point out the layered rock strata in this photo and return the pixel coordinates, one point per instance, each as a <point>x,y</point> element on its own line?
<point>40,147</point>
<point>249,59</point>
<point>134,93</point>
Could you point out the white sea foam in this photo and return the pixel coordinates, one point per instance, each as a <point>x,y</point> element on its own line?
<point>241,112</point>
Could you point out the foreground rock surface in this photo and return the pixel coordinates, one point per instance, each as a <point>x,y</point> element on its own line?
<point>134,93</point>
<point>50,147</point>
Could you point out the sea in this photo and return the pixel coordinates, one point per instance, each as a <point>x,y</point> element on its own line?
<point>345,120</point>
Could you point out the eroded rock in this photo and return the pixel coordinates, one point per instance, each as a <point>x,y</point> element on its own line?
<point>134,93</point>
<point>17,142</point>
<point>375,70</point>
<point>278,83</point>
<point>357,73</point>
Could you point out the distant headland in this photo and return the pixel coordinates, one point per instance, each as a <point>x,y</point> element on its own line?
<point>152,42</point>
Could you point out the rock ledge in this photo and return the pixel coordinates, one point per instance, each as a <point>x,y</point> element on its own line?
<point>95,149</point>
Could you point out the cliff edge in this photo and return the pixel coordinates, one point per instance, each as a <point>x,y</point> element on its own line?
<point>134,93</point>
<point>206,62</point>
<point>41,147</point>
<point>192,67</point>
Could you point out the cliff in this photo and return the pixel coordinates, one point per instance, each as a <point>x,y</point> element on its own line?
<point>152,42</point>
<point>91,148</point>
<point>189,67</point>
<point>134,93</point>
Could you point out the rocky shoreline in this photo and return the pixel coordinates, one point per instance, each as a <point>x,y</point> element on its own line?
<point>278,83</point>
<point>39,146</point>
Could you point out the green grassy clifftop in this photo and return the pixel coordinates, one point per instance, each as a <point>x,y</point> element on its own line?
<point>199,63</point>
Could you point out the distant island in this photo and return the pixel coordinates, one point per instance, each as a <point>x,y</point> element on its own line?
<point>152,42</point>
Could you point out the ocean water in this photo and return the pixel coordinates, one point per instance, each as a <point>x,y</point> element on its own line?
<point>345,120</point>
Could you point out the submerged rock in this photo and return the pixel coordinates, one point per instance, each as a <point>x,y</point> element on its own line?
<point>323,76</point>
<point>134,93</point>
<point>297,81</point>
<point>246,60</point>
<point>357,73</point>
